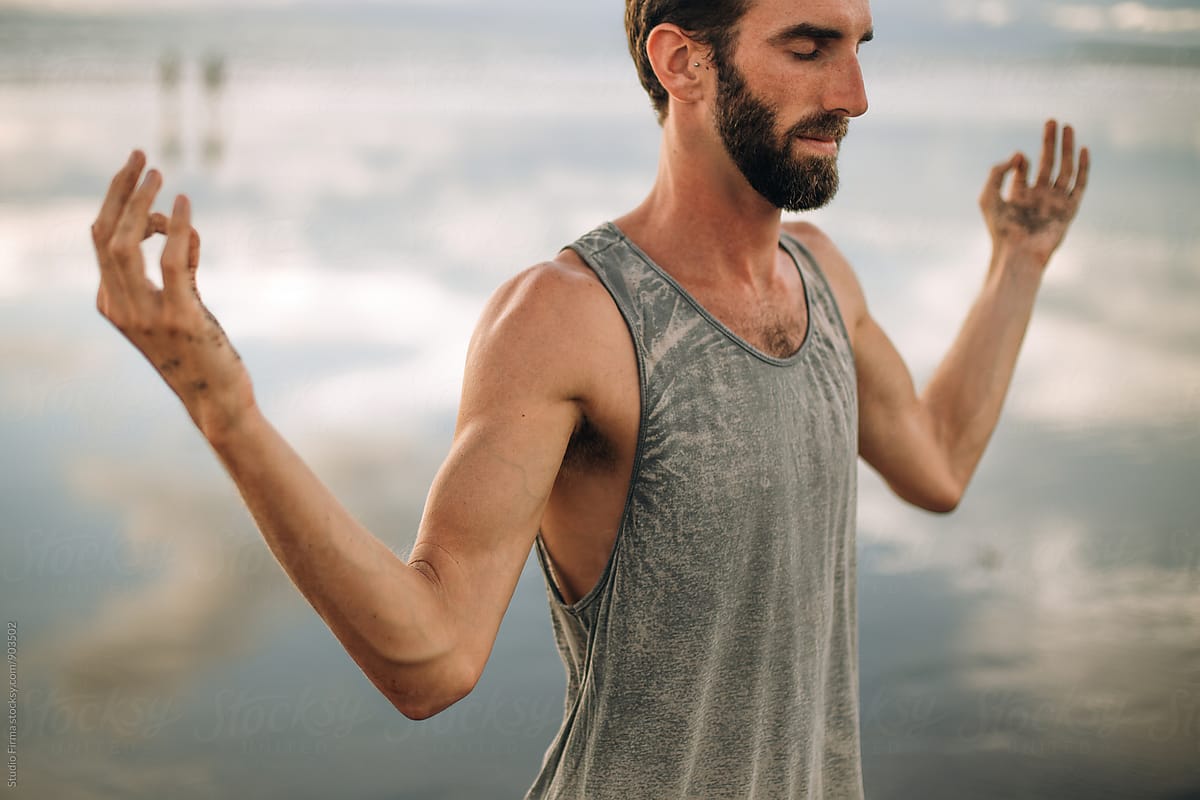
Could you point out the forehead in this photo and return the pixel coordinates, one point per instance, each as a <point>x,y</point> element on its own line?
<point>765,18</point>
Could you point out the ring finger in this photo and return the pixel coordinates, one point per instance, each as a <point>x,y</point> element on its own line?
<point>1067,169</point>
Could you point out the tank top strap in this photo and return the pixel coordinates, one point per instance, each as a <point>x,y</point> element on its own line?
<point>819,288</point>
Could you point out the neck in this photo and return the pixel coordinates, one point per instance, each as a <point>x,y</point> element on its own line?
<point>702,221</point>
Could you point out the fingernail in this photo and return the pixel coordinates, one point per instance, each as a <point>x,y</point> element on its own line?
<point>178,204</point>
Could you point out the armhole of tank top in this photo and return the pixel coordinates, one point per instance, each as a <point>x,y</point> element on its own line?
<point>580,605</point>
<point>552,579</point>
<point>796,246</point>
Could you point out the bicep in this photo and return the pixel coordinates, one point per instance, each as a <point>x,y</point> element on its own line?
<point>897,436</point>
<point>482,515</point>
<point>486,503</point>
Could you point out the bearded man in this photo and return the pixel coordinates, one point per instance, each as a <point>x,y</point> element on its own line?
<point>669,412</point>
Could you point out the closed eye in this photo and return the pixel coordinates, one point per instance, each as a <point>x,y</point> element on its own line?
<point>809,34</point>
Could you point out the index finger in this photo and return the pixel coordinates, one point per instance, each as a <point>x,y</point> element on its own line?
<point>176,255</point>
<point>118,195</point>
<point>995,182</point>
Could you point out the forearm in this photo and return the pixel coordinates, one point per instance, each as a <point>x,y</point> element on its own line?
<point>385,613</point>
<point>927,446</point>
<point>964,398</point>
<point>396,620</point>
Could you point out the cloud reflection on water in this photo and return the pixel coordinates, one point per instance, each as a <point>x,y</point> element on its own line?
<point>365,207</point>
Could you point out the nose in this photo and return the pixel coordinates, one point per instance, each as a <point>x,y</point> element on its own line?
<point>846,92</point>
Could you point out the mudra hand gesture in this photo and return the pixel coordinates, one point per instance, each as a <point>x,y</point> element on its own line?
<point>170,326</point>
<point>1031,221</point>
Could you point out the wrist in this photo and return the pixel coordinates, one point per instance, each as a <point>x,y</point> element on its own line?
<point>1016,266</point>
<point>223,420</point>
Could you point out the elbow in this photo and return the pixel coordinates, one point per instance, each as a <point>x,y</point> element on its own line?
<point>942,504</point>
<point>429,705</point>
<point>442,686</point>
<point>938,497</point>
<point>943,498</point>
<point>421,711</point>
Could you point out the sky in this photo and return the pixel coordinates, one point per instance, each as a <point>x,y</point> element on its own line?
<point>1155,17</point>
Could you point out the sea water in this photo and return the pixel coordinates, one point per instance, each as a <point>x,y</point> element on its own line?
<point>363,176</point>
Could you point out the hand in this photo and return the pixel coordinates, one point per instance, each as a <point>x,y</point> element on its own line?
<point>170,326</point>
<point>1031,221</point>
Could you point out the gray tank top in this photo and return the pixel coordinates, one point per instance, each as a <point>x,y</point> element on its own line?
<point>717,655</point>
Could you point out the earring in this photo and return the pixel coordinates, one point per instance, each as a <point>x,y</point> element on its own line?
<point>696,64</point>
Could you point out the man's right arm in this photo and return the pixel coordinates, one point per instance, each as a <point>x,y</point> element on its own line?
<point>421,631</point>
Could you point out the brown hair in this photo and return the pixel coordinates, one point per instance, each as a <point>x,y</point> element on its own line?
<point>712,23</point>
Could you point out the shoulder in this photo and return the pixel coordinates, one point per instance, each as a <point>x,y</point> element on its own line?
<point>564,278</point>
<point>561,296</point>
<point>547,327</point>
<point>835,267</point>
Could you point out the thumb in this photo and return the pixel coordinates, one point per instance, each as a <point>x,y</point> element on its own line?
<point>194,253</point>
<point>157,223</point>
<point>990,197</point>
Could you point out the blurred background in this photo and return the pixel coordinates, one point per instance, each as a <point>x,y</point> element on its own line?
<point>365,174</point>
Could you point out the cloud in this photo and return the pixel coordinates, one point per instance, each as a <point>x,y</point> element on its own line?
<point>187,566</point>
<point>124,6</point>
<point>189,580</point>
<point>992,13</point>
<point>1124,17</point>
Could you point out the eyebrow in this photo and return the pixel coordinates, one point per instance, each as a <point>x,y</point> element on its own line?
<point>806,30</point>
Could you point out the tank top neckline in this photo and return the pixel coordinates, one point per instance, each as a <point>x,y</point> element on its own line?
<point>716,323</point>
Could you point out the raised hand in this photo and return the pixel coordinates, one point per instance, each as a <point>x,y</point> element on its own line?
<point>1031,221</point>
<point>170,326</point>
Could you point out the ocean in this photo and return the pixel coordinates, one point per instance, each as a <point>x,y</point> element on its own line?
<point>364,175</point>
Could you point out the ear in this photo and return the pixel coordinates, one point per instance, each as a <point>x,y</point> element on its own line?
<point>674,57</point>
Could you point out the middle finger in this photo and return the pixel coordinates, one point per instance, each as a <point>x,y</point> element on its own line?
<point>131,229</point>
<point>118,194</point>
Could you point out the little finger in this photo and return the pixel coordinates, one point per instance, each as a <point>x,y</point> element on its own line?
<point>1081,178</point>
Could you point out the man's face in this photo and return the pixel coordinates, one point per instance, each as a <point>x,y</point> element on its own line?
<point>749,130</point>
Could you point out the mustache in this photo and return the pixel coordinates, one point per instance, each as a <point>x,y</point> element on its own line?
<point>822,126</point>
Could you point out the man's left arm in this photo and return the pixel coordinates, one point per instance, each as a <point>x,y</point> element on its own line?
<point>927,447</point>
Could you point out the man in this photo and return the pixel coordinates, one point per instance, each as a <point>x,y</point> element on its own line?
<point>669,411</point>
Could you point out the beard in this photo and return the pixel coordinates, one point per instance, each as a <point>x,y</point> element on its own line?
<point>747,128</point>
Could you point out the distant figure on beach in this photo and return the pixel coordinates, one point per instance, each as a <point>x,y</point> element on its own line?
<point>213,146</point>
<point>170,70</point>
<point>669,412</point>
<point>170,80</point>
